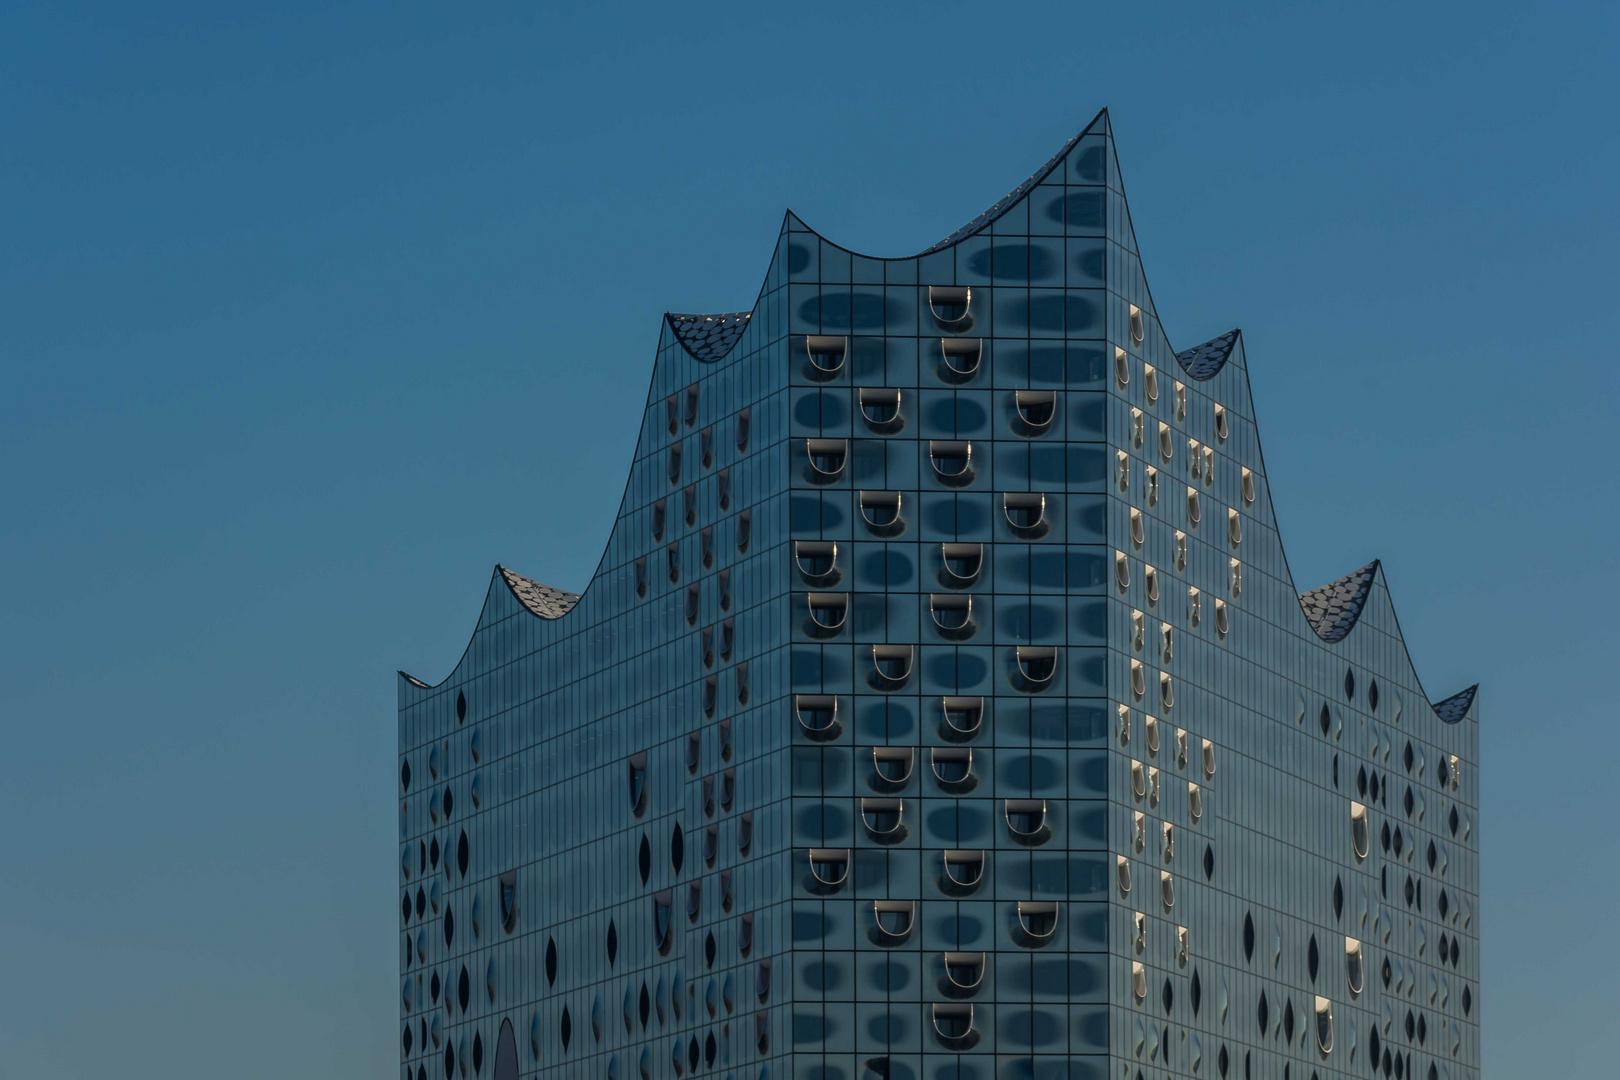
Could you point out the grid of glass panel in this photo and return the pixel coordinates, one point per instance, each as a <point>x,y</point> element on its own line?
<point>943,708</point>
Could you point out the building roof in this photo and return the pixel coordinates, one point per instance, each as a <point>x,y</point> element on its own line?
<point>1333,609</point>
<point>1205,361</point>
<point>542,600</point>
<point>709,337</point>
<point>1455,707</point>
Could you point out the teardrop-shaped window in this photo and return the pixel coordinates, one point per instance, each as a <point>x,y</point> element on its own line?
<point>1138,330</point>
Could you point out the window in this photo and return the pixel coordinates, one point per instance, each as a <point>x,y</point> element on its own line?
<point>1209,466</point>
<point>706,446</point>
<point>1138,780</point>
<point>827,457</point>
<point>1194,513</point>
<point>953,1024</point>
<point>1358,830</point>
<point>663,936</point>
<point>1137,529</point>
<point>1037,664</point>
<point>1122,875</point>
<point>641,576</point>
<point>1138,679</point>
<point>818,716</point>
<point>1026,820</point>
<point>953,768</point>
<point>964,870</point>
<point>691,405</point>
<point>1234,527</point>
<point>1137,424</point>
<point>952,461</point>
<point>1037,921</point>
<point>964,970</point>
<point>826,354</point>
<point>1152,486</point>
<point>952,614</point>
<point>1209,758</point>
<point>1234,576</point>
<point>1181,401</point>
<point>1324,1025</point>
<point>1193,459</point>
<point>951,306</point>
<point>694,752</point>
<point>883,819</point>
<point>1354,970</point>
<point>745,528</point>
<point>1122,368</point>
<point>1181,550</point>
<point>1195,802</point>
<point>1138,630</point>
<point>1223,622</point>
<point>1167,890</point>
<point>829,866</point>
<point>828,612</point>
<point>1248,487</point>
<point>1138,981</point>
<point>672,414</point>
<point>961,564</point>
<point>1150,383</point>
<point>1168,832</point>
<point>1036,408</point>
<point>817,561</point>
<point>1122,570</point>
<point>962,717</point>
<point>960,358</point>
<point>672,558</point>
<point>694,597</point>
<point>743,424</point>
<point>1221,430</point>
<point>1181,748</point>
<point>880,408</point>
<point>892,921</point>
<point>1138,332</point>
<point>694,900</point>
<point>728,637</point>
<point>638,783</point>
<point>892,767</point>
<point>1167,691</point>
<point>1167,644</point>
<point>745,832</point>
<point>1122,470</point>
<point>891,665</point>
<point>722,487</point>
<point>1150,584</point>
<point>881,511</point>
<point>674,467</point>
<point>1025,513</point>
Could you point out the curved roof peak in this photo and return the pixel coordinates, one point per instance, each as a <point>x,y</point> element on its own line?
<point>1455,707</point>
<point>708,337</point>
<point>1333,609</point>
<point>541,600</point>
<point>1204,362</point>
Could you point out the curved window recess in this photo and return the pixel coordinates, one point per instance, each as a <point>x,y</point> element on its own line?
<point>1456,772</point>
<point>1138,330</point>
<point>826,354</point>
<point>1139,920</point>
<point>952,614</point>
<point>1248,487</point>
<point>1153,786</point>
<point>762,1029</point>
<point>728,637</point>
<point>1122,470</point>
<point>1167,890</point>
<point>694,900</point>
<point>694,597</point>
<point>672,560</point>
<point>1138,630</point>
<point>1183,952</point>
<point>952,461</point>
<point>641,576</point>
<point>1122,875</point>
<point>741,673</point>
<point>961,564</point>
<point>1167,642</point>
<point>1036,409</point>
<point>1209,466</point>
<point>1025,513</point>
<point>1355,971</point>
<point>745,833</point>
<point>891,665</point>
<point>672,413</point>
<point>1195,802</point>
<point>691,405</point>
<point>892,921</point>
<point>963,871</point>
<point>1234,576</point>
<point>1152,486</point>
<point>818,716</point>
<point>658,519</point>
<point>1037,665</point>
<point>1150,584</point>
<point>711,844</point>
<point>1124,725</point>
<point>404,786</point>
<point>1358,829</point>
<point>827,459</point>
<point>694,752</point>
<point>762,981</point>
<point>1138,981</point>
<point>1223,622</point>
<point>1138,532</point>
<point>881,512</point>
<point>741,429</point>
<point>960,358</point>
<point>1181,748</point>
<point>828,612</point>
<point>953,1025</point>
<point>476,790</point>
<point>1122,570</point>
<point>1122,368</point>
<point>1181,401</point>
<point>1324,1025</point>
<point>1138,780</point>
<point>722,487</point>
<point>706,644</point>
<point>728,789</point>
<point>880,408</point>
<point>1026,820</point>
<point>1194,512</point>
<point>1138,679</point>
<point>1037,921</point>
<point>1150,383</point>
<point>706,447</point>
<point>829,866</point>
<point>638,783</point>
<point>1137,425</point>
<point>711,687</point>
<point>1221,429</point>
<point>1209,758</point>
<point>1167,442</point>
<point>883,820</point>
<point>1139,832</point>
<point>1169,836</point>
<point>674,468</point>
<point>1150,733</point>
<point>892,767</point>
<point>964,972</point>
<point>1234,527</point>
<point>961,717</point>
<point>727,894</point>
<point>1167,691</point>
<point>950,304</point>
<point>745,529</point>
<point>724,579</point>
<point>433,761</point>
<point>1193,458</point>
<point>663,930</point>
<point>953,768</point>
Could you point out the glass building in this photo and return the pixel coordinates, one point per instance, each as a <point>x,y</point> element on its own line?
<point>943,708</point>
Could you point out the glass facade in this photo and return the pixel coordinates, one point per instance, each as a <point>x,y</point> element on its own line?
<point>942,709</point>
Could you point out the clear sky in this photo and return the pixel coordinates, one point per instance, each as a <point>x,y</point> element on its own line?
<point>309,317</point>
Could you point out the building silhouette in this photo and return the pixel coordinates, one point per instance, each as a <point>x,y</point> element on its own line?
<point>943,708</point>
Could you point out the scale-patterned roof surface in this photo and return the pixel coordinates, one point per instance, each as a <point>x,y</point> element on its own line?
<point>543,600</point>
<point>709,337</point>
<point>1205,361</point>
<point>1333,609</point>
<point>1455,707</point>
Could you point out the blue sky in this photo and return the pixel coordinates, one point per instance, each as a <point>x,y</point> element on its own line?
<point>309,316</point>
